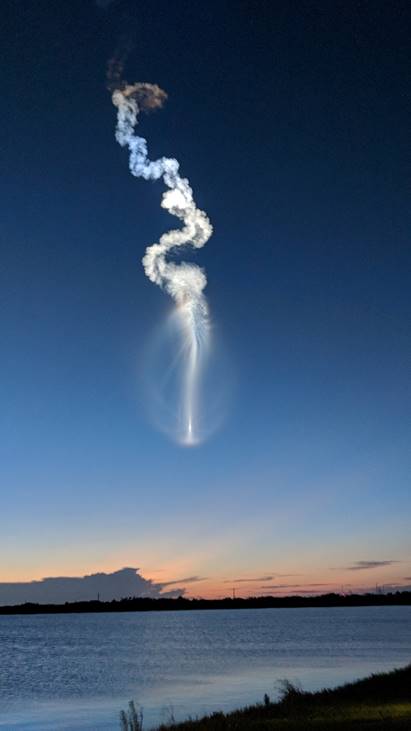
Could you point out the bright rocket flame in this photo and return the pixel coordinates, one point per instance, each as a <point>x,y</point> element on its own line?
<point>184,282</point>
<point>195,334</point>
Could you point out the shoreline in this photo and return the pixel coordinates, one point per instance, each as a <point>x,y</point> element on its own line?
<point>183,604</point>
<point>379,701</point>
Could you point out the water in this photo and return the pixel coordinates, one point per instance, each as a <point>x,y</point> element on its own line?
<point>76,672</point>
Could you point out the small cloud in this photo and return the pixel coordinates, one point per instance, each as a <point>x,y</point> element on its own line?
<point>301,587</point>
<point>365,565</point>
<point>258,579</point>
<point>187,580</point>
<point>295,591</point>
<point>249,581</point>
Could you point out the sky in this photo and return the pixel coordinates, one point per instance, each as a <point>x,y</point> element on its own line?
<point>291,121</point>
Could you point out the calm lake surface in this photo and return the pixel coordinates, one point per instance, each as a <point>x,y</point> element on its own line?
<point>76,672</point>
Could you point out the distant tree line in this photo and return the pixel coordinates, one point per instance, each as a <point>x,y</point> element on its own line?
<point>146,604</point>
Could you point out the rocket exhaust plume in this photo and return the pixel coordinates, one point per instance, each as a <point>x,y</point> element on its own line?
<point>184,282</point>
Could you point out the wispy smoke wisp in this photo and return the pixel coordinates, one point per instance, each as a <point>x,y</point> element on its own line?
<point>184,282</point>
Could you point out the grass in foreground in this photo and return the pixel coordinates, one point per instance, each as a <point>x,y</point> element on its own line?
<point>379,702</point>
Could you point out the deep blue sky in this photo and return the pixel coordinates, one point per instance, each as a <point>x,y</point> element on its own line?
<point>291,120</point>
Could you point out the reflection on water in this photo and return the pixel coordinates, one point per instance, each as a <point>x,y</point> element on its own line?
<point>75,672</point>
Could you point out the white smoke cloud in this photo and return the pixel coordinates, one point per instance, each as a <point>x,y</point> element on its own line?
<point>184,282</point>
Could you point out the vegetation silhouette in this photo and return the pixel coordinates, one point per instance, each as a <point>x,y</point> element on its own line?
<point>375,703</point>
<point>149,604</point>
<point>131,720</point>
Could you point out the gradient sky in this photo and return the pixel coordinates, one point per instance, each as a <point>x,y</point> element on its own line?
<point>291,120</point>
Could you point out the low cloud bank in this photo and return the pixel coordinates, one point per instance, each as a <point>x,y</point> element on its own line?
<point>126,582</point>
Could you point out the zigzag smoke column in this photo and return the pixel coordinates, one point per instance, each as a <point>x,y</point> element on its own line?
<point>184,282</point>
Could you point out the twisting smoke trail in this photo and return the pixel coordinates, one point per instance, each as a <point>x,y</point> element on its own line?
<point>184,282</point>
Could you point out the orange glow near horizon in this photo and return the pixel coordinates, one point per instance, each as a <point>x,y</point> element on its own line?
<point>180,573</point>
